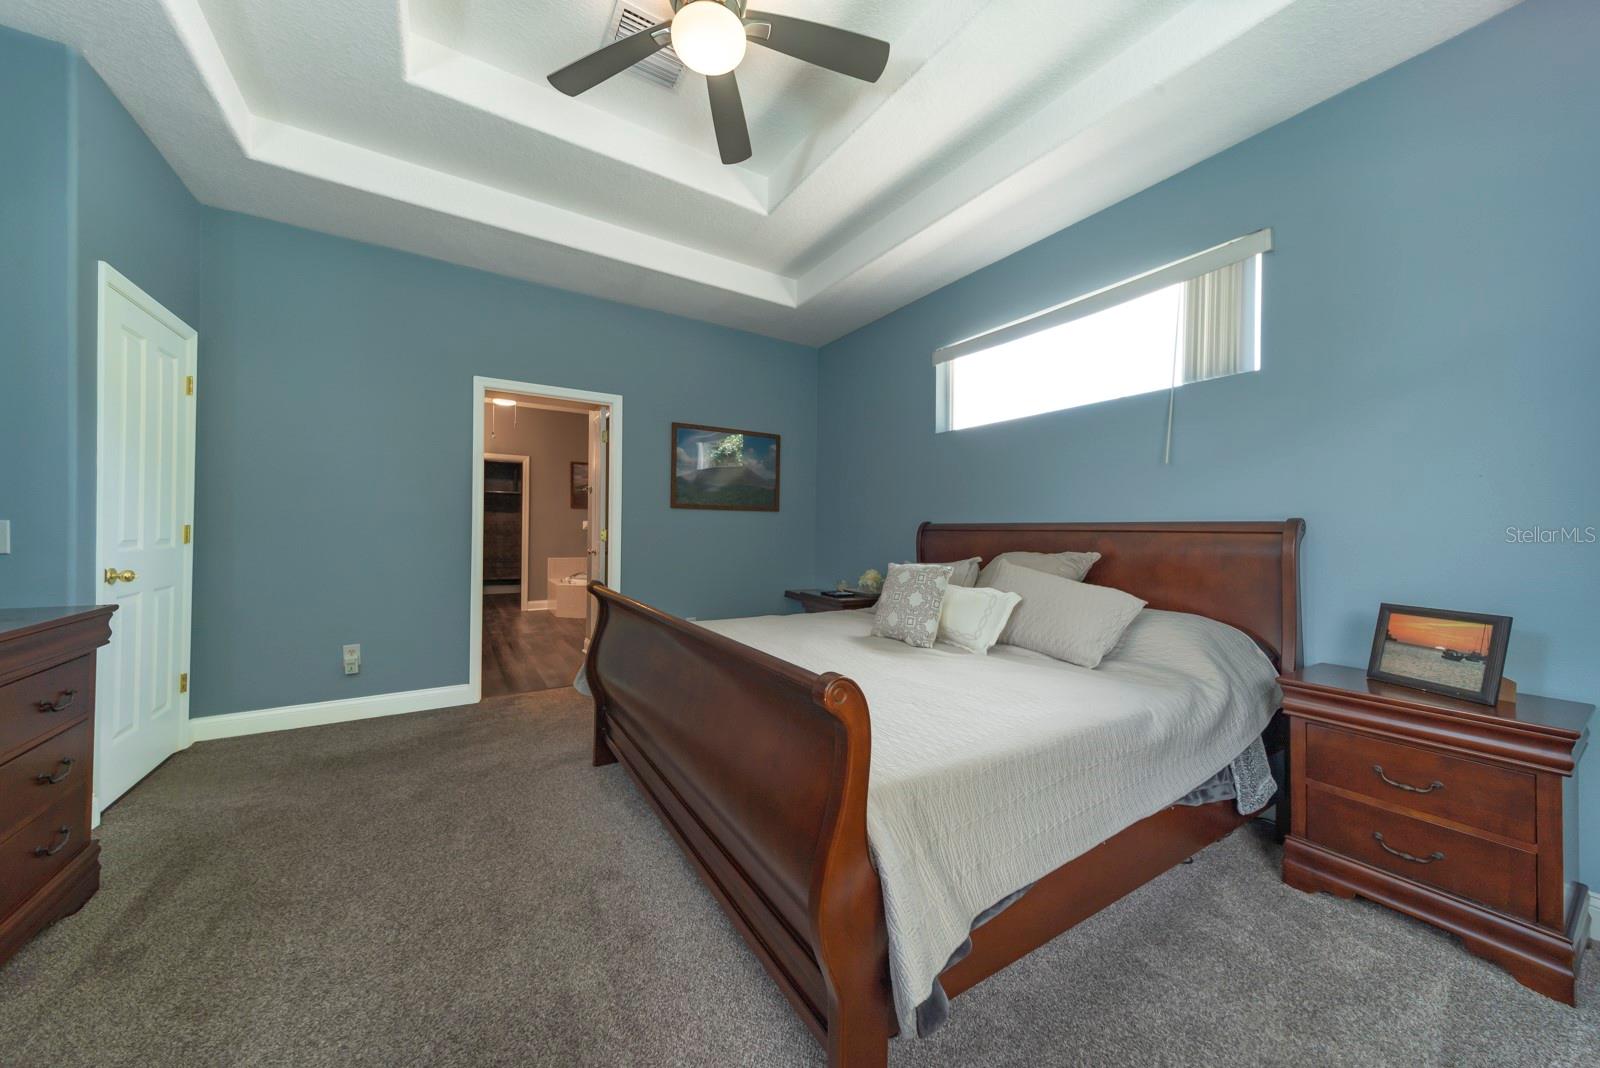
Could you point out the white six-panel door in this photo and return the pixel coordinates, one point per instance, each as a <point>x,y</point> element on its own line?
<point>145,476</point>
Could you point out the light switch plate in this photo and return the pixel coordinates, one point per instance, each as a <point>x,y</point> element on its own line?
<point>5,537</point>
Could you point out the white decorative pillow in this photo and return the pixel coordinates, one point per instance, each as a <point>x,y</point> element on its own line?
<point>1067,620</point>
<point>1074,566</point>
<point>965,572</point>
<point>908,607</point>
<point>973,618</point>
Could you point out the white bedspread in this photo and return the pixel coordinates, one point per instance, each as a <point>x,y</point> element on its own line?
<point>990,772</point>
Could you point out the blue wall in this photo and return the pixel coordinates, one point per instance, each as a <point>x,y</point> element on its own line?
<point>133,213</point>
<point>1431,361</point>
<point>35,318</point>
<point>81,184</point>
<point>334,467</point>
<point>333,474</point>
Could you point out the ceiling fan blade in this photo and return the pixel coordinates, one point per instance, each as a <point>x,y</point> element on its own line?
<point>849,53</point>
<point>610,61</point>
<point>727,115</point>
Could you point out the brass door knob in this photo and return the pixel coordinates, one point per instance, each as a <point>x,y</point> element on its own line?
<point>113,576</point>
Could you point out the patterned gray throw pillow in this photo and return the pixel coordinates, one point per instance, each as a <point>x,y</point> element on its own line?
<point>908,608</point>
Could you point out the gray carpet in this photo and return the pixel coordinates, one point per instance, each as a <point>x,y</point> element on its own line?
<point>461,888</point>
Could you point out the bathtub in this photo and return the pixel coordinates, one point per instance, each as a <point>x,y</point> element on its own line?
<point>568,586</point>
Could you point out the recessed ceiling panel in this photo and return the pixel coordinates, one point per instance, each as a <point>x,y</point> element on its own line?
<point>429,126</point>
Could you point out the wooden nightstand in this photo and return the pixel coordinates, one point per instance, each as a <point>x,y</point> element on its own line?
<point>814,601</point>
<point>1461,815</point>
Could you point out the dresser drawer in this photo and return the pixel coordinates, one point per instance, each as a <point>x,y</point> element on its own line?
<point>34,854</point>
<point>43,775</point>
<point>1462,864</point>
<point>1477,795</point>
<point>38,703</point>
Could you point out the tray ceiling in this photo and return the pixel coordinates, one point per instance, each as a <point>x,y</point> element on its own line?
<point>428,126</point>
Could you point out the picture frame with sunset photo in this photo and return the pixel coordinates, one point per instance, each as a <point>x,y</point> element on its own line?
<point>1457,654</point>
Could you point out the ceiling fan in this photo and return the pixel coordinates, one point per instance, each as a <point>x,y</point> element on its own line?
<point>709,36</point>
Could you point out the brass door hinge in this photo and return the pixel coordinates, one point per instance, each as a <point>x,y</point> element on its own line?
<point>188,386</point>
<point>188,533</point>
<point>604,535</point>
<point>183,683</point>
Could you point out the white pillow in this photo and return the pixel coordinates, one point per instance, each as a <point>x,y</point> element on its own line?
<point>1067,620</point>
<point>973,619</point>
<point>908,607</point>
<point>1072,566</point>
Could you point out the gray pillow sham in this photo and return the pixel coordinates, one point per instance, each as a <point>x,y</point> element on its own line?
<point>1074,566</point>
<point>1067,620</point>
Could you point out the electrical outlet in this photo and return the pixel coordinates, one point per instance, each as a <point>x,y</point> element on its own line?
<point>5,537</point>
<point>352,660</point>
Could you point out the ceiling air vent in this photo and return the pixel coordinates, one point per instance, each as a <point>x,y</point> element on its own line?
<point>664,67</point>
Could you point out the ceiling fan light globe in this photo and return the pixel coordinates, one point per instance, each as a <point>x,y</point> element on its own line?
<point>708,37</point>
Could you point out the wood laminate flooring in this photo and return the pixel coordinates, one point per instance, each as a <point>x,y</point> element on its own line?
<point>525,651</point>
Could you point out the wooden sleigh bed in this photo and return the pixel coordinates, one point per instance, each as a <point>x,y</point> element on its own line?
<point>760,768</point>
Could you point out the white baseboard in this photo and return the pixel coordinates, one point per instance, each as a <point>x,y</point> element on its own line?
<point>538,606</point>
<point>320,713</point>
<point>1594,921</point>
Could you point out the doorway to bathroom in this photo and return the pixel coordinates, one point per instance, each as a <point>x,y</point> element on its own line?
<point>546,505</point>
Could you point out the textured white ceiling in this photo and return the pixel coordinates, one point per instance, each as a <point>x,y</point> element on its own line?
<point>427,125</point>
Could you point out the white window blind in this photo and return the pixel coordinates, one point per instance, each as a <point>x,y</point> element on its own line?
<point>1187,321</point>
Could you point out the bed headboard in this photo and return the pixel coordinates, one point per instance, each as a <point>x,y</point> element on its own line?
<point>1245,574</point>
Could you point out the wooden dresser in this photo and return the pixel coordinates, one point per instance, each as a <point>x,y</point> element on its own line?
<point>49,866</point>
<point>1461,815</point>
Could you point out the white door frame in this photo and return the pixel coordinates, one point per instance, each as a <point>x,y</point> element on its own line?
<point>481,388</point>
<point>109,279</point>
<point>522,550</point>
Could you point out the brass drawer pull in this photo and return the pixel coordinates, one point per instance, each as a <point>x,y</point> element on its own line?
<point>50,851</point>
<point>62,702</point>
<point>1428,789</point>
<point>1387,848</point>
<point>65,764</point>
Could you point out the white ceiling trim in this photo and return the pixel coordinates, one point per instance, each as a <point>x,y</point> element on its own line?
<point>902,192</point>
<point>316,156</point>
<point>342,163</point>
<point>1042,141</point>
<point>443,70</point>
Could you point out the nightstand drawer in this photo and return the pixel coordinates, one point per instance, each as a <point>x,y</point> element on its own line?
<point>1462,864</point>
<point>1469,792</point>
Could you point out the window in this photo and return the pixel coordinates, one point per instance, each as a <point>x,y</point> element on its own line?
<point>1195,319</point>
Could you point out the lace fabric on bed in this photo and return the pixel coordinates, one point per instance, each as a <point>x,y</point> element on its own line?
<point>1247,780</point>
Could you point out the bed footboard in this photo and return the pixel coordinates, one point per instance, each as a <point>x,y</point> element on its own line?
<point>759,769</point>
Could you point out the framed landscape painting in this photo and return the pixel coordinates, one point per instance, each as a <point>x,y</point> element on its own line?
<point>722,468</point>
<point>1459,654</point>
